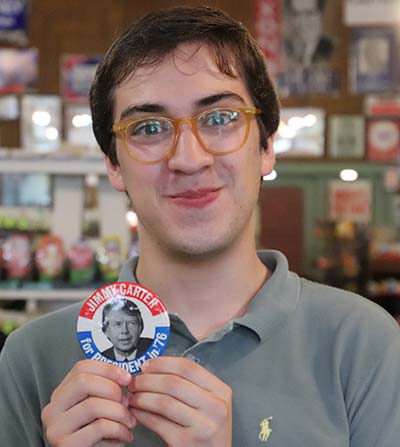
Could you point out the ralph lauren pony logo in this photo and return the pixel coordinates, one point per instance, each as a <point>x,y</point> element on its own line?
<point>266,430</point>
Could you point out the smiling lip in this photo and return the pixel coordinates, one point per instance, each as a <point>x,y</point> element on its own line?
<point>196,198</point>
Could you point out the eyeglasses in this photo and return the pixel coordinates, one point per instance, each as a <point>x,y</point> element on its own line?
<point>219,131</point>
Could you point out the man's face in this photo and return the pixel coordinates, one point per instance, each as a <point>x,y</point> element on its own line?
<point>306,19</point>
<point>123,330</point>
<point>195,203</point>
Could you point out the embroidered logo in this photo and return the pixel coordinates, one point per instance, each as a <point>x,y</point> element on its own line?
<point>265,431</point>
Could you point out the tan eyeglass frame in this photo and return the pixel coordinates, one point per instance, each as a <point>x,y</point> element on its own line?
<point>119,129</point>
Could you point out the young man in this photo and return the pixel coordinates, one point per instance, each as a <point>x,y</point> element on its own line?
<point>185,113</point>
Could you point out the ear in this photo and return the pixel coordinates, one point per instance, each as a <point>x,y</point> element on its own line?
<point>114,175</point>
<point>268,157</point>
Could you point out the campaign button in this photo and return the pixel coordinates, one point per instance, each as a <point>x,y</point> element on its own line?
<point>124,324</point>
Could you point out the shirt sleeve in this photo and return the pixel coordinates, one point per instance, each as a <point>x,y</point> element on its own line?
<point>374,406</point>
<point>18,424</point>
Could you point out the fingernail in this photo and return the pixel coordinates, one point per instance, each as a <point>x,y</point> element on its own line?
<point>146,365</point>
<point>125,376</point>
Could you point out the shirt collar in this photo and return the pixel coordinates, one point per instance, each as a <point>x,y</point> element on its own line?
<point>271,306</point>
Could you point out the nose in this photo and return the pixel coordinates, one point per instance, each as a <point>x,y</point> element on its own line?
<point>125,329</point>
<point>189,156</point>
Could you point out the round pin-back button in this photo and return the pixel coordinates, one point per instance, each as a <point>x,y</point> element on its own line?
<point>125,324</point>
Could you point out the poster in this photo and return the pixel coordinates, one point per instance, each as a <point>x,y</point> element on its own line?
<point>18,70</point>
<point>13,21</point>
<point>77,74</point>
<point>371,12</point>
<point>267,31</point>
<point>373,63</point>
<point>300,133</point>
<point>308,48</point>
<point>346,136</point>
<point>383,139</point>
<point>350,201</point>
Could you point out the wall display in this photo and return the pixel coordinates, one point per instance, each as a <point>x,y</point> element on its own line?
<point>78,125</point>
<point>346,136</point>
<point>350,201</point>
<point>77,73</point>
<point>300,133</point>
<point>18,70</point>
<point>383,139</point>
<point>41,122</point>
<point>371,12</point>
<point>13,21</point>
<point>267,31</point>
<point>9,108</point>
<point>373,63</point>
<point>307,49</point>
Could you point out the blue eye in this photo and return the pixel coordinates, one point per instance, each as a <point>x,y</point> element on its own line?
<point>149,128</point>
<point>219,118</point>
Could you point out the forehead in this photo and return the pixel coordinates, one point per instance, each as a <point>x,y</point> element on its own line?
<point>178,80</point>
<point>121,315</point>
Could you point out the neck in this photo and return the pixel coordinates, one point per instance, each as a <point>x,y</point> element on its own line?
<point>224,282</point>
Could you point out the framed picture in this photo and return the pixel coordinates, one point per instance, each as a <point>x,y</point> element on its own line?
<point>300,133</point>
<point>383,139</point>
<point>18,70</point>
<point>40,122</point>
<point>373,63</point>
<point>346,136</point>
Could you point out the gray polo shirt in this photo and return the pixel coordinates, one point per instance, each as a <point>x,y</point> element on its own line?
<point>309,365</point>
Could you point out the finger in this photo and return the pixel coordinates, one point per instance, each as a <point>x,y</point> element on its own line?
<point>166,406</point>
<point>189,370</point>
<point>174,386</point>
<point>98,430</point>
<point>88,411</point>
<point>90,379</point>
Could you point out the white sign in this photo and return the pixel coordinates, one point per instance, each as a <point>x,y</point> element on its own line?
<point>350,201</point>
<point>371,12</point>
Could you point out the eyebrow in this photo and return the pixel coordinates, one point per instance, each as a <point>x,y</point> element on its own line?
<point>160,109</point>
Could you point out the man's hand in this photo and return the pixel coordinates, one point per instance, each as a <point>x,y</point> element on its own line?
<point>88,408</point>
<point>183,403</point>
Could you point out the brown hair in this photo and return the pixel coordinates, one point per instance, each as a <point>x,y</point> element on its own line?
<point>160,32</point>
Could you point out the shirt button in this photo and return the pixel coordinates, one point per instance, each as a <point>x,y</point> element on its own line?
<point>193,358</point>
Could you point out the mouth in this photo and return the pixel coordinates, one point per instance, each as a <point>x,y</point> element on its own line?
<point>198,198</point>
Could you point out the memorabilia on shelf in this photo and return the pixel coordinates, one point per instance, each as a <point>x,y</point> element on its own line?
<point>18,70</point>
<point>9,108</point>
<point>14,21</point>
<point>300,133</point>
<point>267,31</point>
<point>50,258</point>
<point>109,257</point>
<point>350,201</point>
<point>77,73</point>
<point>308,49</point>
<point>346,136</point>
<point>17,257</point>
<point>382,105</point>
<point>78,125</point>
<point>383,139</point>
<point>41,122</point>
<point>371,12</point>
<point>374,59</point>
<point>81,263</point>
